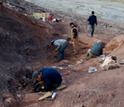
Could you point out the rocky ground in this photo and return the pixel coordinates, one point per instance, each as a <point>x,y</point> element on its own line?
<point>25,47</point>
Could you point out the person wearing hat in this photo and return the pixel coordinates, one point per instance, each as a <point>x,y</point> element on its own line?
<point>61,45</point>
<point>97,50</point>
<point>92,20</point>
<point>51,78</point>
<point>74,32</point>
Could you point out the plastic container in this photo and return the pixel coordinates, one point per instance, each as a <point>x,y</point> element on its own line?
<point>54,95</point>
<point>103,57</point>
<point>121,62</point>
<point>92,69</point>
<point>65,73</point>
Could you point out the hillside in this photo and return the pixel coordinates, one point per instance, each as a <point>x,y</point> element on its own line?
<point>26,46</point>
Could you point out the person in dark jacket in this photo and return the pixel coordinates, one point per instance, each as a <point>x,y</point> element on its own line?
<point>92,20</point>
<point>97,50</point>
<point>51,78</point>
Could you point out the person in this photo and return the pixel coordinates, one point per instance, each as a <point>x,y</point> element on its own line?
<point>51,78</point>
<point>74,33</point>
<point>61,46</point>
<point>92,20</point>
<point>97,50</point>
<point>50,18</point>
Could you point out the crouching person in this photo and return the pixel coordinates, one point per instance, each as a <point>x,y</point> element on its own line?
<point>61,45</point>
<point>97,50</point>
<point>51,77</point>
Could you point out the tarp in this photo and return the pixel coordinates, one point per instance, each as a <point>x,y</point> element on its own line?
<point>37,15</point>
<point>41,15</point>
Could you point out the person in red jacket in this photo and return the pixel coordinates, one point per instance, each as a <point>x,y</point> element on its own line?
<point>50,17</point>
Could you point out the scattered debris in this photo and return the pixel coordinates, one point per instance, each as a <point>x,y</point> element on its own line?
<point>65,64</point>
<point>108,60</point>
<point>60,67</point>
<point>79,61</point>
<point>69,65</point>
<point>37,15</point>
<point>53,66</point>
<point>10,5</point>
<point>122,62</point>
<point>70,42</point>
<point>102,57</point>
<point>92,69</point>
<point>57,20</point>
<point>54,95</point>
<point>16,5</point>
<point>42,16</point>
<point>65,73</point>
<point>109,63</point>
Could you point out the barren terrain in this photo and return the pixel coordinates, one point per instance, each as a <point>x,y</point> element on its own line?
<point>107,9</point>
<point>25,47</point>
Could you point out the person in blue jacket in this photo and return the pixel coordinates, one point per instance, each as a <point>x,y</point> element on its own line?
<point>92,20</point>
<point>97,50</point>
<point>51,77</point>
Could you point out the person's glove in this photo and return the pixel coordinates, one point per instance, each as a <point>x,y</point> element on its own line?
<point>56,53</point>
<point>56,50</point>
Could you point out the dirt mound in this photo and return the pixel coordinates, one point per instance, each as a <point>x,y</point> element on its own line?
<point>114,43</point>
<point>119,51</point>
<point>24,47</point>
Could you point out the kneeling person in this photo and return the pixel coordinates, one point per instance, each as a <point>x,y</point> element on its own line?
<point>97,50</point>
<point>51,77</point>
